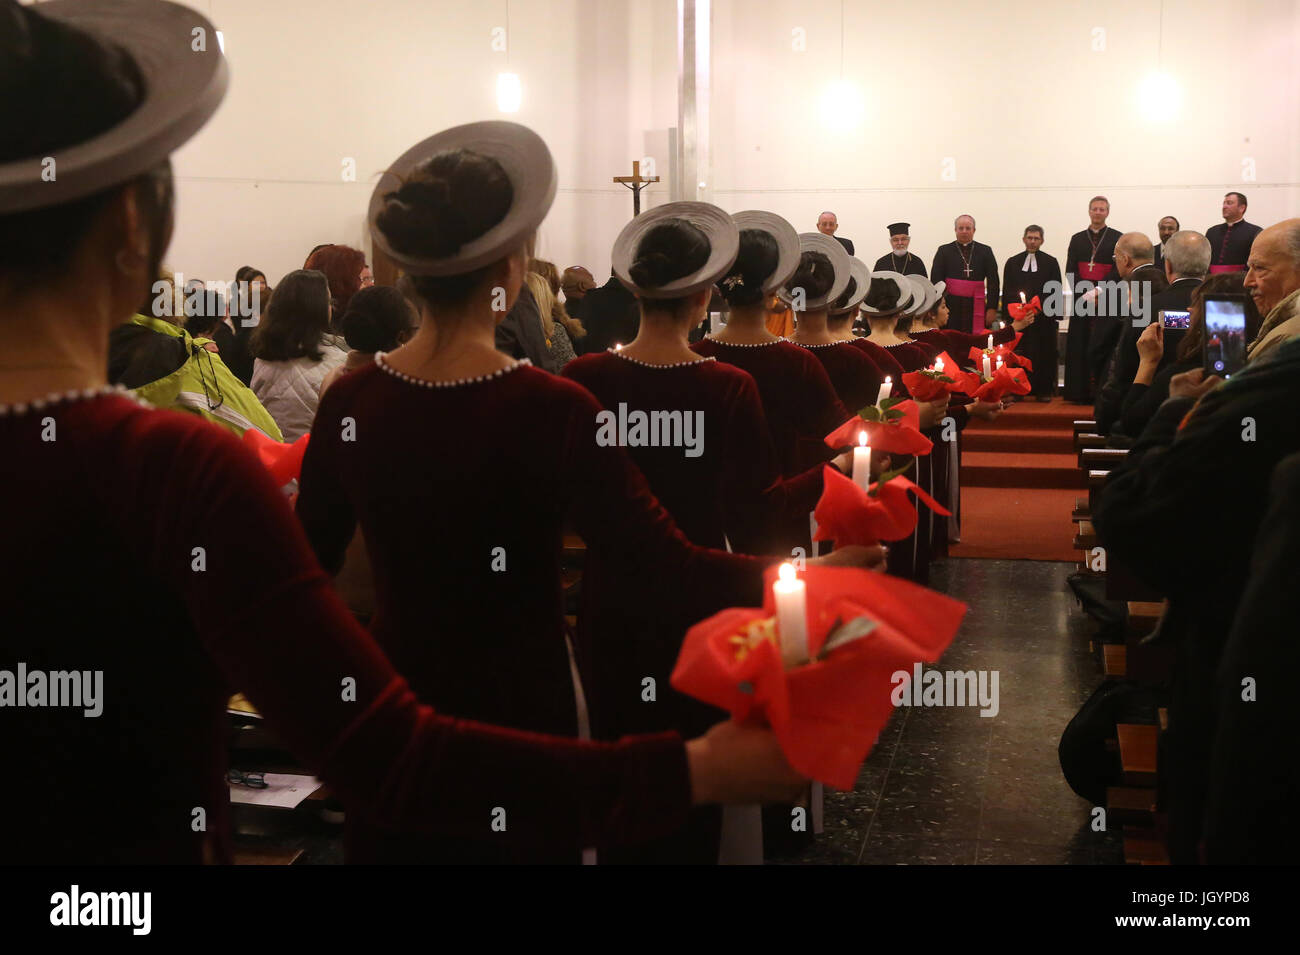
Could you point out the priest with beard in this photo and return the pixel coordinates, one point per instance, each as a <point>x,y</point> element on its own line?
<point>900,260</point>
<point>1089,259</point>
<point>1025,276</point>
<point>970,274</point>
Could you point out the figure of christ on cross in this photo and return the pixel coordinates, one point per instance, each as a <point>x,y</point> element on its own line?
<point>636,182</point>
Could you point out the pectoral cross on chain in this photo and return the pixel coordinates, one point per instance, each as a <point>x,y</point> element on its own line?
<point>967,271</point>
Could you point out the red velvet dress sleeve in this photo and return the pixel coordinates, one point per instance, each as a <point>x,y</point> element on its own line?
<point>327,690</point>
<point>963,342</point>
<point>323,506</point>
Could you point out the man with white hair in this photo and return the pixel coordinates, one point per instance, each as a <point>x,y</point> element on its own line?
<point>970,274</point>
<point>1187,260</point>
<point>827,224</point>
<point>1273,281</point>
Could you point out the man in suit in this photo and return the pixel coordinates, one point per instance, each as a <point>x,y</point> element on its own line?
<point>1187,257</point>
<point>827,224</point>
<point>521,335</point>
<point>1138,281</point>
<point>611,315</point>
<point>1166,227</point>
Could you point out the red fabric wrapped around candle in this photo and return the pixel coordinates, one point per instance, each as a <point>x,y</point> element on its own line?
<point>1019,310</point>
<point>283,461</point>
<point>1007,352</point>
<point>864,629</point>
<point>895,436</point>
<point>847,514</point>
<point>1005,381</point>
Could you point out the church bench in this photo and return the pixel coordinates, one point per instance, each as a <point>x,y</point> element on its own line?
<point>1088,440</point>
<point>1131,806</point>
<point>1114,659</point>
<point>1137,752</point>
<point>1101,459</point>
<point>1145,848</point>
<point>1082,510</point>
<point>1085,426</point>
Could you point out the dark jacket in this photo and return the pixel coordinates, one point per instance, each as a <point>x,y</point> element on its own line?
<point>1112,348</point>
<point>521,334</point>
<point>611,316</point>
<point>1182,513</point>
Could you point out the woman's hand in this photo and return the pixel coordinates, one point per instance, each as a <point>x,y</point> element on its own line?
<point>932,412</point>
<point>1020,324</point>
<point>1192,384</point>
<point>1151,344</point>
<point>854,555</point>
<point>988,410</point>
<point>740,764</point>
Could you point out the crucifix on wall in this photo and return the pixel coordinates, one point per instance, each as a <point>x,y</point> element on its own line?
<point>636,182</point>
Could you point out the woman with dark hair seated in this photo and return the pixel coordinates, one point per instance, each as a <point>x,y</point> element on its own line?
<point>1150,385</point>
<point>378,319</point>
<point>248,298</point>
<point>799,402</point>
<point>294,351</point>
<point>161,509</point>
<point>346,270</point>
<point>464,466</point>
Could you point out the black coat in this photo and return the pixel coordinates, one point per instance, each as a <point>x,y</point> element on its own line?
<point>611,316</point>
<point>1182,513</point>
<point>522,335</point>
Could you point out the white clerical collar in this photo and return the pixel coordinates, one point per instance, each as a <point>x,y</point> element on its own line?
<point>1031,262</point>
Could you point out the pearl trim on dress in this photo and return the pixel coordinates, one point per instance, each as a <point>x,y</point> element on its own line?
<point>646,364</point>
<point>84,394</point>
<point>379,360</point>
<point>718,341</point>
<point>822,345</point>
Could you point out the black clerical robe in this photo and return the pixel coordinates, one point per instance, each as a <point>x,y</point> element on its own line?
<point>906,264</point>
<point>1089,259</point>
<point>1038,341</point>
<point>1230,245</point>
<point>958,265</point>
<point>847,243</point>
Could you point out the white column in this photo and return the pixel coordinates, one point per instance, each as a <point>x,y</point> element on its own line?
<point>694,159</point>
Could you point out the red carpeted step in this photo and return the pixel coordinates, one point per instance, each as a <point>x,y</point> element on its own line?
<point>992,469</point>
<point>1013,523</point>
<point>1018,441</point>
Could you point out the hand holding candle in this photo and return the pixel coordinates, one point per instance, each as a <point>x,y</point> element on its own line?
<point>791,598</point>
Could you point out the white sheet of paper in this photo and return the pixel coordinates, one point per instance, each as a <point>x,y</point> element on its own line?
<point>284,790</point>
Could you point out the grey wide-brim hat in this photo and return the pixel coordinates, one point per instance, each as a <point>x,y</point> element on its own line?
<point>182,89</point>
<point>907,294</point>
<point>787,244</point>
<point>533,179</point>
<point>926,294</point>
<point>860,274</point>
<point>724,246</point>
<point>817,242</point>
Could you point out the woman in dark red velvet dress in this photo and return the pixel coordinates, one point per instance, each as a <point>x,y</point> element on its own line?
<point>463,468</point>
<point>931,328</point>
<point>799,402</point>
<point>191,577</point>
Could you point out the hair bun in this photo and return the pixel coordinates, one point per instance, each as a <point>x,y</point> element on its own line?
<point>651,269</point>
<point>883,294</point>
<point>419,219</point>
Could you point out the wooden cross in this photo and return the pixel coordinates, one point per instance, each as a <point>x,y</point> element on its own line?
<point>636,182</point>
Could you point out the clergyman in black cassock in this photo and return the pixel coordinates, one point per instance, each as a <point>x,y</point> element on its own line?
<point>1089,259</point>
<point>900,259</point>
<point>962,267</point>
<point>1038,341</point>
<point>1230,245</point>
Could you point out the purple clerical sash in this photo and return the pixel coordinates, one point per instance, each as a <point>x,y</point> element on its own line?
<point>1216,269</point>
<point>969,288</point>
<point>1093,271</point>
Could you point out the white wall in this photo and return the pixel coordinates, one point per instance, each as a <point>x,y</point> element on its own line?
<point>1034,119</point>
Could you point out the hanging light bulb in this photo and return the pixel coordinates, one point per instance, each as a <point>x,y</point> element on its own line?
<point>842,106</point>
<point>509,93</point>
<point>1160,97</point>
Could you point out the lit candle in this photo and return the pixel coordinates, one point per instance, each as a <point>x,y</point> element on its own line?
<point>988,368</point>
<point>990,343</point>
<point>885,388</point>
<point>938,365</point>
<point>862,462</point>
<point>999,368</point>
<point>1022,298</point>
<point>791,616</point>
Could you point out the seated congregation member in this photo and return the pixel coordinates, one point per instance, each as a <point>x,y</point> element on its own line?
<point>378,319</point>
<point>469,603</point>
<point>1273,281</point>
<point>559,348</point>
<point>294,351</point>
<point>1187,256</point>
<point>610,315</point>
<point>1150,385</point>
<point>1254,776</point>
<point>347,272</point>
<point>1026,276</point>
<point>1122,310</point>
<point>573,329</point>
<point>798,399</point>
<point>718,475</point>
<point>1147,517</point>
<point>576,282</point>
<point>522,334</point>
<point>824,273</point>
<point>249,296</point>
<point>137,488</point>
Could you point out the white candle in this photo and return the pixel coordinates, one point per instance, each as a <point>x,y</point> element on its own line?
<point>990,343</point>
<point>938,365</point>
<point>791,616</point>
<point>999,368</point>
<point>862,462</point>
<point>1022,298</point>
<point>988,368</point>
<point>885,388</point>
